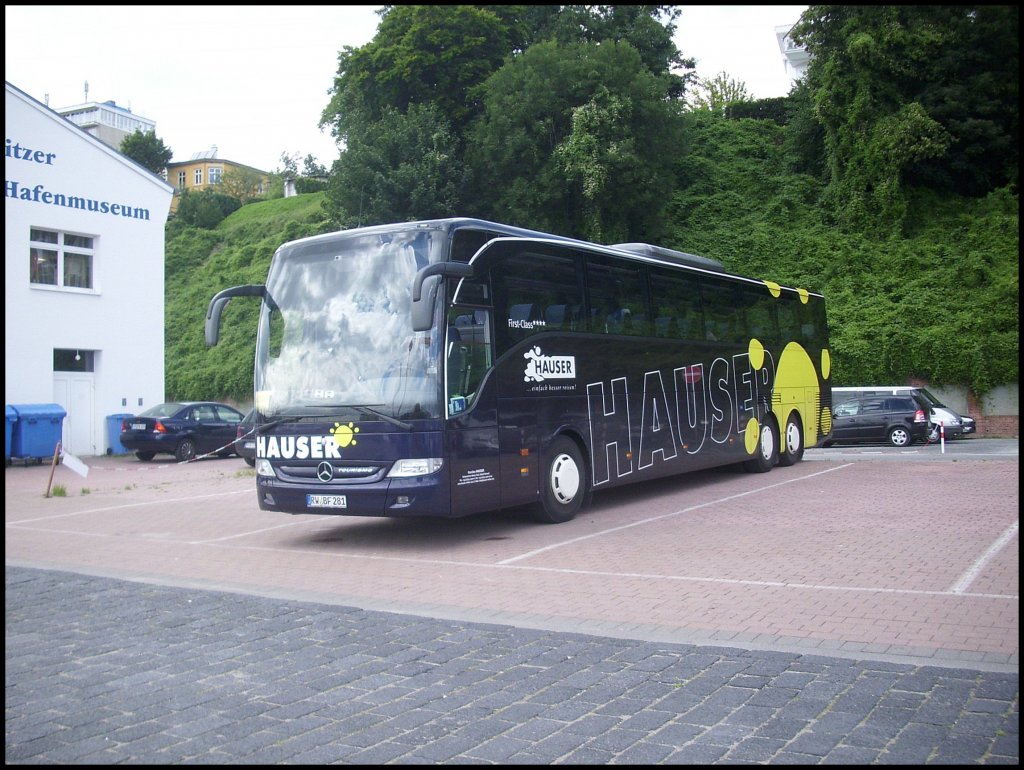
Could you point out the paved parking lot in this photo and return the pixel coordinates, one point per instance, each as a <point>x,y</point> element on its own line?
<point>887,568</point>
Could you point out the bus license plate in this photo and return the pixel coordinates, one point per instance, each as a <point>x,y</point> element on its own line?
<point>326,501</point>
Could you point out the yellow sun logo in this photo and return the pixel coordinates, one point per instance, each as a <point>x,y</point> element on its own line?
<point>344,435</point>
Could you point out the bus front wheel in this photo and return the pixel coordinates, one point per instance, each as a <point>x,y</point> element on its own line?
<point>766,455</point>
<point>565,482</point>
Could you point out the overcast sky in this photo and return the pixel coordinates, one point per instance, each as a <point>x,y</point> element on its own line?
<point>253,80</point>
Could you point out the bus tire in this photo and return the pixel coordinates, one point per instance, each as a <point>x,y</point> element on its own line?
<point>766,456</point>
<point>564,483</point>
<point>792,450</point>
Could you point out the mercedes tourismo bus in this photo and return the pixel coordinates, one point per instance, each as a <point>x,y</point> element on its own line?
<point>448,367</point>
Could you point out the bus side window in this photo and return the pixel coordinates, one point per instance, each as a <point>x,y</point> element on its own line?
<point>618,300</point>
<point>722,312</point>
<point>675,299</point>
<point>534,293</point>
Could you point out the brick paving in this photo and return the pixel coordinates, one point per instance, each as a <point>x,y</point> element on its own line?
<point>105,671</point>
<point>852,609</point>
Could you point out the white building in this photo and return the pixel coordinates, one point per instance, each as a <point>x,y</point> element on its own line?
<point>84,288</point>
<point>794,57</point>
<point>107,121</point>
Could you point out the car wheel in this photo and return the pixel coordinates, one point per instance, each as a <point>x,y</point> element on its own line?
<point>899,436</point>
<point>145,456</point>
<point>565,482</point>
<point>766,456</point>
<point>793,442</point>
<point>250,461</point>
<point>186,450</point>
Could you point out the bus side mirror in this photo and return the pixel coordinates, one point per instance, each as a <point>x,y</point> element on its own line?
<point>221,299</point>
<point>423,302</point>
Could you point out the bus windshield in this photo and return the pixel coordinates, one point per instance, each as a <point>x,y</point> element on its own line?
<point>335,331</point>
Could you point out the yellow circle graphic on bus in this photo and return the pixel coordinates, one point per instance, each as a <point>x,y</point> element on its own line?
<point>796,387</point>
<point>751,435</point>
<point>344,435</point>
<point>756,352</point>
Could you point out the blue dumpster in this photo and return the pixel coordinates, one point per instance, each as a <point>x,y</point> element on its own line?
<point>115,447</point>
<point>12,417</point>
<point>37,431</point>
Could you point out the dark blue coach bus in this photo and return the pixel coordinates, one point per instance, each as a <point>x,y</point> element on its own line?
<point>453,366</point>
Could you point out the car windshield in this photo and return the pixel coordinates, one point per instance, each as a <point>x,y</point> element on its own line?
<point>336,330</point>
<point>929,399</point>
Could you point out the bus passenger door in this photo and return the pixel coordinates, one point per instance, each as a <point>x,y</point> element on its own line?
<point>472,443</point>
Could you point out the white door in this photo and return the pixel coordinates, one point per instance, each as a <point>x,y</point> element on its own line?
<point>74,392</point>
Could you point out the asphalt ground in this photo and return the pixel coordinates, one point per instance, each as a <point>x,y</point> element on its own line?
<point>860,607</point>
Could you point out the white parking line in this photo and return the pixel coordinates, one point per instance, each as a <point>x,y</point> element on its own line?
<point>960,586</point>
<point>668,515</point>
<point>127,505</point>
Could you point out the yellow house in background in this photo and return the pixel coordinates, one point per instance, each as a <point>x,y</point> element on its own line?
<point>205,170</point>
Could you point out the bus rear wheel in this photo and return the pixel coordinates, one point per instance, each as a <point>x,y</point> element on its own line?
<point>565,482</point>
<point>792,442</point>
<point>766,456</point>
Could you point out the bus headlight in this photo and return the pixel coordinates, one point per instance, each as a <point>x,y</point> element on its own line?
<point>263,467</point>
<point>419,466</point>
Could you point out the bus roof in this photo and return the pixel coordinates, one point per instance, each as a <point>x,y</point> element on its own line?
<point>642,249</point>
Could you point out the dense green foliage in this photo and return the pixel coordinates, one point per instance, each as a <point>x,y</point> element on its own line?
<point>205,209</point>
<point>886,180</point>
<point>912,96</point>
<point>201,262</point>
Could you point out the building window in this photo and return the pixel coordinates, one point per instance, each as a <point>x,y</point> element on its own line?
<point>199,177</point>
<point>73,360</point>
<point>181,180</point>
<point>63,260</point>
<point>215,172</point>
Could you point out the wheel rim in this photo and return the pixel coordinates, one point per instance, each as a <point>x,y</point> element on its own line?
<point>565,479</point>
<point>899,437</point>
<point>792,438</point>
<point>767,442</point>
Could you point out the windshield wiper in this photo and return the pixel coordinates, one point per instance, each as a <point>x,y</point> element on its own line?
<point>366,409</point>
<point>362,408</point>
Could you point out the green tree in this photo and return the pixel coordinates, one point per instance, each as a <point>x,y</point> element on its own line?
<point>648,28</point>
<point>312,167</point>
<point>718,93</point>
<point>148,150</point>
<point>538,155</point>
<point>402,167</point>
<point>912,95</point>
<point>242,183</point>
<point>421,54</point>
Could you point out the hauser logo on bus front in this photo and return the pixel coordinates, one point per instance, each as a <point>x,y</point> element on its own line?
<point>540,367</point>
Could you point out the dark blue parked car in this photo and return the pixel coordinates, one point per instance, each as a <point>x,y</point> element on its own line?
<point>184,429</point>
<point>245,441</point>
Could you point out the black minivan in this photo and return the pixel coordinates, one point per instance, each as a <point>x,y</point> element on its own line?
<point>897,420</point>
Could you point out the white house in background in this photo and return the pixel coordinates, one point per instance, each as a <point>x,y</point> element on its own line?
<point>794,57</point>
<point>84,274</point>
